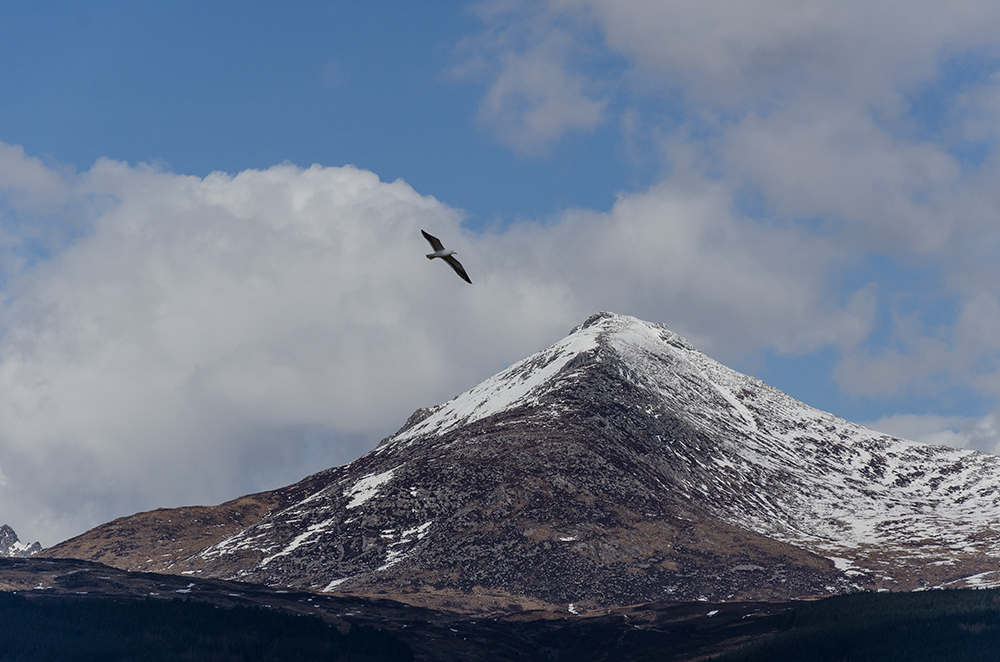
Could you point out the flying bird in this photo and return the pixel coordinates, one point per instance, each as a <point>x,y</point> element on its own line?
<point>446,255</point>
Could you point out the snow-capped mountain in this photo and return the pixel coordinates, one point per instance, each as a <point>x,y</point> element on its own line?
<point>620,465</point>
<point>11,546</point>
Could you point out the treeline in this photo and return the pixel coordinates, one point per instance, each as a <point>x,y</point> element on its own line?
<point>178,631</point>
<point>955,625</point>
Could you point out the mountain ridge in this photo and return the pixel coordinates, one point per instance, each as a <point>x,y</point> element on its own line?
<point>619,465</point>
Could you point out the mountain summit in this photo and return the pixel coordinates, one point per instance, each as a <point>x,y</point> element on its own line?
<point>620,465</point>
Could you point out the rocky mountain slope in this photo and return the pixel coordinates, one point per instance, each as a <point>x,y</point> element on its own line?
<point>10,546</point>
<point>620,465</point>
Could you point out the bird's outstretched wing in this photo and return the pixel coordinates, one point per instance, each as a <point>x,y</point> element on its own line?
<point>434,241</point>
<point>457,266</point>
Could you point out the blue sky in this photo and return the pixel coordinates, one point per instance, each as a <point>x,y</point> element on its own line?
<point>192,310</point>
<point>199,87</point>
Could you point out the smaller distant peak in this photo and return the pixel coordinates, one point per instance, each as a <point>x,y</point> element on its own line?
<point>11,546</point>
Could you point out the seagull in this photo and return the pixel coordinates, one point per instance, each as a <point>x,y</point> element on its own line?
<point>446,255</point>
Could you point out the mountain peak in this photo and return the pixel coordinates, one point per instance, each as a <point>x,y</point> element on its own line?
<point>619,465</point>
<point>523,383</point>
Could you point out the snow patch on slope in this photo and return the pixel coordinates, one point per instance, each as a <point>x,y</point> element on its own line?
<point>367,487</point>
<point>394,554</point>
<point>300,539</point>
<point>519,385</point>
<point>990,579</point>
<point>668,364</point>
